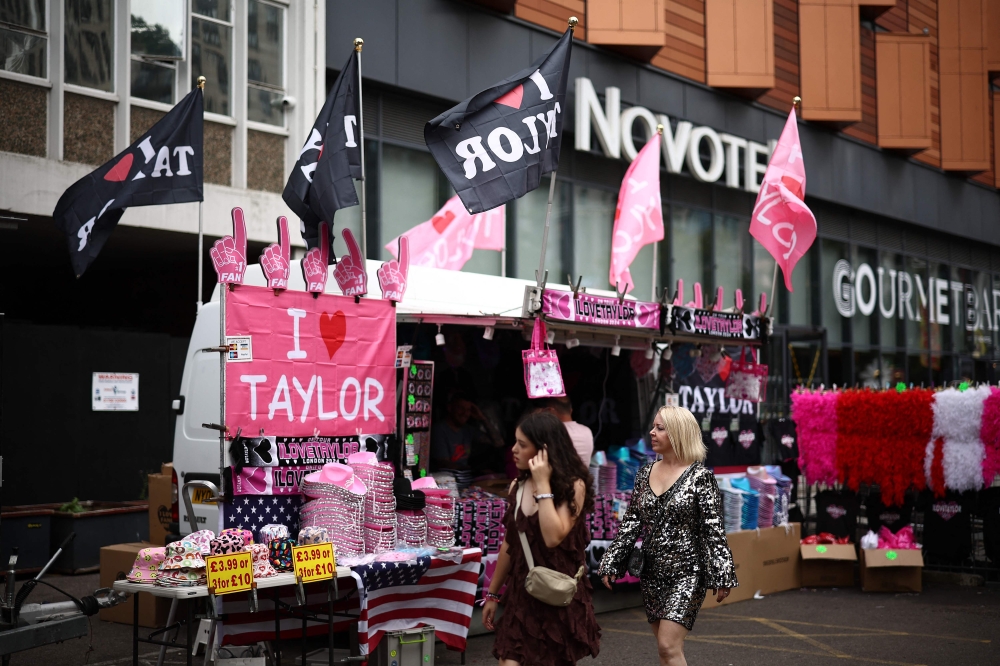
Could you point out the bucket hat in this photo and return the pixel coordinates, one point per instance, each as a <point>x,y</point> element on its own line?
<point>147,565</point>
<point>183,554</point>
<point>224,544</point>
<point>314,534</point>
<point>203,538</point>
<point>279,552</point>
<point>246,535</point>
<point>259,557</point>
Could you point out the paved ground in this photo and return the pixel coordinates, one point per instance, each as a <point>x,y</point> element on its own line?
<point>945,625</point>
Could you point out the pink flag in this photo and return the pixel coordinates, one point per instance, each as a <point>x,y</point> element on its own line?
<point>639,216</point>
<point>781,221</point>
<point>448,239</point>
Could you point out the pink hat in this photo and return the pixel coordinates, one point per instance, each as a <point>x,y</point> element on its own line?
<point>424,483</point>
<point>147,565</point>
<point>183,555</point>
<point>262,567</point>
<point>362,458</point>
<point>338,475</point>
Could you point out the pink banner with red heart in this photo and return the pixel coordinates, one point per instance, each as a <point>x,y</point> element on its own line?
<point>301,364</point>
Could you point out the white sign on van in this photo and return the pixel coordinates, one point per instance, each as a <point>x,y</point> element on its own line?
<point>115,392</point>
<point>738,162</point>
<point>240,348</point>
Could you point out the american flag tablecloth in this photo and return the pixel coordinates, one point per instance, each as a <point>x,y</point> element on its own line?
<point>443,598</point>
<point>440,593</point>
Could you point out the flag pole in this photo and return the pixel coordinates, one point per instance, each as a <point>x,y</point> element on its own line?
<point>358,43</point>
<point>540,273</point>
<point>656,245</point>
<point>796,103</point>
<point>201,216</point>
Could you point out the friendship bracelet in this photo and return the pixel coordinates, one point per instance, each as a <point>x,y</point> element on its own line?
<point>544,496</point>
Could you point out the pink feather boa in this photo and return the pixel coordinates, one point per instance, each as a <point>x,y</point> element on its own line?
<point>991,436</point>
<point>815,416</point>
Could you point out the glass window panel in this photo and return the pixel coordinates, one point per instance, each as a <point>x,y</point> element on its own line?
<point>211,57</point>
<point>530,216</point>
<point>594,217</point>
<point>763,275</point>
<point>349,218</point>
<point>982,315</point>
<point>23,13</point>
<point>867,369</point>
<point>265,44</point>
<point>865,327</point>
<point>691,250</point>
<point>893,370</point>
<point>89,43</point>
<point>486,262</point>
<point>963,310</point>
<point>942,305</point>
<point>217,9</point>
<point>731,271</point>
<point>893,330</point>
<point>918,369</point>
<point>265,106</point>
<point>409,192</point>
<point>642,272</point>
<point>153,81</point>
<point>800,300</point>
<point>158,28</point>
<point>837,325</point>
<point>23,53</point>
<point>919,328</point>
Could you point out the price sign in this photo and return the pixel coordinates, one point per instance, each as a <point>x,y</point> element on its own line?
<point>229,573</point>
<point>314,562</point>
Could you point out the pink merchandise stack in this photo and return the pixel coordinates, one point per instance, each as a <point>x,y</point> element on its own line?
<point>379,504</point>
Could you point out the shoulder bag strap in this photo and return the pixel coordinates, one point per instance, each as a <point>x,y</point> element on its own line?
<point>524,539</point>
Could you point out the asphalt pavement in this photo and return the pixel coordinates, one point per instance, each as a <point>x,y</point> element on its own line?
<point>944,625</point>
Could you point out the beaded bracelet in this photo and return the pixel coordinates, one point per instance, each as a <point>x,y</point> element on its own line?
<point>544,496</point>
<point>489,596</point>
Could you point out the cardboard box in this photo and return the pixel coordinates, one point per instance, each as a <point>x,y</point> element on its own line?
<point>161,498</point>
<point>120,558</point>
<point>742,546</point>
<point>776,554</point>
<point>891,570</point>
<point>828,565</point>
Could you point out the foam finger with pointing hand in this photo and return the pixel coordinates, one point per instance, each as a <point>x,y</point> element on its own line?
<point>275,259</point>
<point>350,273</point>
<point>229,252</point>
<point>314,264</point>
<point>392,274</point>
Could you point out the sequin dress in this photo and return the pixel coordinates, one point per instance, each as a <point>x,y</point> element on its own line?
<point>533,633</point>
<point>686,554</point>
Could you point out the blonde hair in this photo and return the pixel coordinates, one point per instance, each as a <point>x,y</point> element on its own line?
<point>685,434</point>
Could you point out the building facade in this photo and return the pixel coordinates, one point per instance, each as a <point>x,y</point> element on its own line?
<point>898,130</point>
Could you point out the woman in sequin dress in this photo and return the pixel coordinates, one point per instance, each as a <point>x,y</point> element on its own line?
<point>557,495</point>
<point>677,510</point>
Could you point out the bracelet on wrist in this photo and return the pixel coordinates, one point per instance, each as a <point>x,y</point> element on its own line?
<point>489,596</point>
<point>544,496</point>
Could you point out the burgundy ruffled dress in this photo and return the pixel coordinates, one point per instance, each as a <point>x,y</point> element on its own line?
<point>533,633</point>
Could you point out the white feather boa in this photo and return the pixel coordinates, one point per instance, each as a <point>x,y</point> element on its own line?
<point>958,417</point>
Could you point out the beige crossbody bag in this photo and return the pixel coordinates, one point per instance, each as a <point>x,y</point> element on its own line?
<point>546,585</point>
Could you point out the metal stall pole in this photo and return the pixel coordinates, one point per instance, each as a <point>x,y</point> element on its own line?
<point>358,44</point>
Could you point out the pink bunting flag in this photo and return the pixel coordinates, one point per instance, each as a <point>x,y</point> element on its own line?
<point>448,239</point>
<point>639,215</point>
<point>781,221</point>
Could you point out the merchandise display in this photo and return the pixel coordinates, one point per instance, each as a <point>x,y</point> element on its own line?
<point>147,565</point>
<point>946,440</point>
<point>279,552</point>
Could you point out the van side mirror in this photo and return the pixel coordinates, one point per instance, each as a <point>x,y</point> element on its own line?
<point>178,405</point>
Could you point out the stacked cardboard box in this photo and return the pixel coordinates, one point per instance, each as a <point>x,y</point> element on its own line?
<point>828,565</point>
<point>767,561</point>
<point>118,559</point>
<point>161,498</point>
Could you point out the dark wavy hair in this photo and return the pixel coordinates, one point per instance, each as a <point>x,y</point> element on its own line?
<point>545,430</point>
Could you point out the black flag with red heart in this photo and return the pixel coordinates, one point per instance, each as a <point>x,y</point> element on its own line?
<point>163,167</point>
<point>497,145</point>
<point>322,180</point>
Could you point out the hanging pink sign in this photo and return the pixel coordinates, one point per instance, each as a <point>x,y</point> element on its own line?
<point>600,311</point>
<point>309,364</point>
<point>270,480</point>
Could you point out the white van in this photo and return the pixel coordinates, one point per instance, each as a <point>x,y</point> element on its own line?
<point>432,296</point>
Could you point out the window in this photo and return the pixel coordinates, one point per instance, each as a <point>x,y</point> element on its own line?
<point>833,292</point>
<point>23,39</point>
<point>730,269</point>
<point>158,33</point>
<point>410,191</point>
<point>265,63</point>
<point>90,43</point>
<point>212,52</point>
<point>530,216</point>
<point>594,217</point>
<point>691,247</point>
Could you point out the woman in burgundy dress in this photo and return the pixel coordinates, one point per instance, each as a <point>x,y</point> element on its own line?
<point>557,494</point>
